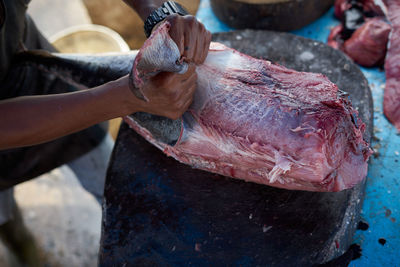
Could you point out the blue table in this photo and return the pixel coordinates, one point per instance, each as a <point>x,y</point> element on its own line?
<point>381,241</point>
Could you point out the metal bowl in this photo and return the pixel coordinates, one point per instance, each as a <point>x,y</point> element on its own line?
<point>88,38</point>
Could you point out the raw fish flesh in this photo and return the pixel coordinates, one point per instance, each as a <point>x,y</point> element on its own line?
<point>373,43</point>
<point>367,45</point>
<point>256,121</point>
<point>391,102</point>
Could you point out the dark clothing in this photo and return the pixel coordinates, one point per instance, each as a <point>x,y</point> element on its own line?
<point>13,16</point>
<point>2,13</point>
<point>18,32</point>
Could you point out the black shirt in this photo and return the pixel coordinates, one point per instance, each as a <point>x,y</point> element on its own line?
<point>12,27</point>
<point>2,13</point>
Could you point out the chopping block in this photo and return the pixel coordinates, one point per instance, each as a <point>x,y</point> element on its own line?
<point>159,212</point>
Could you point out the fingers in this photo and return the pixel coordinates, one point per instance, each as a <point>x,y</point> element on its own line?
<point>206,47</point>
<point>186,98</point>
<point>190,72</point>
<point>195,41</point>
<point>169,79</point>
<point>201,42</point>
<point>189,85</point>
<point>182,88</point>
<point>170,94</point>
<point>189,97</point>
<point>183,94</point>
<point>177,31</point>
<point>191,37</point>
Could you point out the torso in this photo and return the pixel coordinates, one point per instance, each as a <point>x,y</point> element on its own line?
<point>12,26</point>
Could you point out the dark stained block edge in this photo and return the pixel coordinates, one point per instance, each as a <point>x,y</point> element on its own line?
<point>160,212</point>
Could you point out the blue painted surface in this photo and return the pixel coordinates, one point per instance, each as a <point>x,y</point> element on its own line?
<point>382,201</point>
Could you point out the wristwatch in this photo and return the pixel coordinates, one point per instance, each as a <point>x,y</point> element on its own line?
<point>167,8</point>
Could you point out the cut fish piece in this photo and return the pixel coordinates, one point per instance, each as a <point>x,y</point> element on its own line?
<point>367,46</point>
<point>256,121</point>
<point>391,102</point>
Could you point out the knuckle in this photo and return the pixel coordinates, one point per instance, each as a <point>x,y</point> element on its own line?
<point>172,17</point>
<point>174,115</point>
<point>191,20</point>
<point>201,27</point>
<point>174,96</point>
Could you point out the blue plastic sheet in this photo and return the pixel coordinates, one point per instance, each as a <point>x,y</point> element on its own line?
<point>381,241</point>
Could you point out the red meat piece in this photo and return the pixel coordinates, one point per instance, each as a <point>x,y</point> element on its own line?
<point>391,103</point>
<point>334,39</point>
<point>340,7</point>
<point>367,45</point>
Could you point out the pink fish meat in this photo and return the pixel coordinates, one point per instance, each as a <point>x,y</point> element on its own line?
<point>373,43</point>
<point>367,45</point>
<point>391,102</point>
<point>260,122</point>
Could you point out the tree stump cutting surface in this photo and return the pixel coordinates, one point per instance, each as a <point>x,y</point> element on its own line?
<point>158,211</point>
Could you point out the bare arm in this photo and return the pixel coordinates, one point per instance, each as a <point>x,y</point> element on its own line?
<point>32,120</point>
<point>144,7</point>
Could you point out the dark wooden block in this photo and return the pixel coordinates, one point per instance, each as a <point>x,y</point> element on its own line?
<point>158,212</point>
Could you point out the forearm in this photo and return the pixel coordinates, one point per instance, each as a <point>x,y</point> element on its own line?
<point>36,119</point>
<point>144,7</point>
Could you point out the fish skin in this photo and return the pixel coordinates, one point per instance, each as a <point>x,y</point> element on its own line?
<point>264,123</point>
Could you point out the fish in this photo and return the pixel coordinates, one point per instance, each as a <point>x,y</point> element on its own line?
<point>254,120</point>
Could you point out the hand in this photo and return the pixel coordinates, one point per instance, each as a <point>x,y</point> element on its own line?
<point>169,94</point>
<point>188,33</point>
<point>191,36</point>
